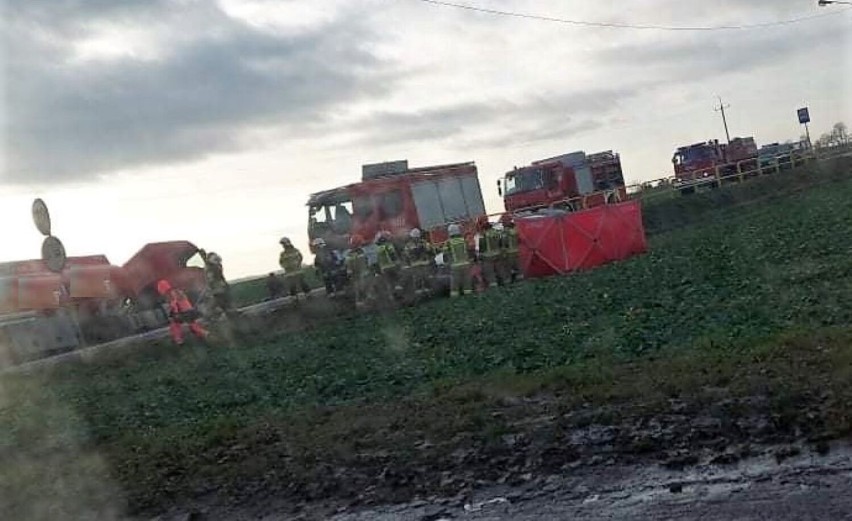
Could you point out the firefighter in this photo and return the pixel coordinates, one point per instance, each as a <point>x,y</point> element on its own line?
<point>181,311</point>
<point>358,269</point>
<point>460,256</point>
<point>217,285</point>
<point>387,264</point>
<point>327,266</point>
<point>418,258</point>
<point>510,247</point>
<point>489,246</point>
<point>294,274</point>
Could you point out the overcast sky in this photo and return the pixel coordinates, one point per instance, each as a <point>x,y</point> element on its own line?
<point>146,120</point>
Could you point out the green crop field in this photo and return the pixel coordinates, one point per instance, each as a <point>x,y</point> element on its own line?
<point>742,288</point>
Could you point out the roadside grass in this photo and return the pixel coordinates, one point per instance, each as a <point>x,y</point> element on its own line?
<point>755,301</point>
<point>252,291</point>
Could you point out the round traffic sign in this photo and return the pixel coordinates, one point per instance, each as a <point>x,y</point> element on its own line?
<point>41,217</point>
<point>53,253</point>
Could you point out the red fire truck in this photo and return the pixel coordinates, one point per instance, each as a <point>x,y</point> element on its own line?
<point>574,181</point>
<point>698,163</point>
<point>393,197</point>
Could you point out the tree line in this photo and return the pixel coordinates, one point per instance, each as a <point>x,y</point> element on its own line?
<point>838,136</point>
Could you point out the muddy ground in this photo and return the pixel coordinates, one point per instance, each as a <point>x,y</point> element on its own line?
<point>805,486</point>
<point>763,439</point>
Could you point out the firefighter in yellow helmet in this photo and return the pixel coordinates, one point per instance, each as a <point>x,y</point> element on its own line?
<point>460,257</point>
<point>290,261</point>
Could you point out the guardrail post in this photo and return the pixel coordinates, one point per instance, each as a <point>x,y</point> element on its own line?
<point>740,170</point>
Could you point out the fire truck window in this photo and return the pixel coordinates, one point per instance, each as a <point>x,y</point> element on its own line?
<point>195,261</point>
<point>550,179</point>
<point>318,214</point>
<point>391,204</point>
<point>363,207</point>
<point>341,215</point>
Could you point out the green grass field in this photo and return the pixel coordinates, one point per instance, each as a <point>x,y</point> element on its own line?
<point>739,280</point>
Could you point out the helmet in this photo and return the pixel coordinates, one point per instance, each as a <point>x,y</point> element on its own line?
<point>214,258</point>
<point>414,233</point>
<point>285,241</point>
<point>498,226</point>
<point>163,287</point>
<point>382,236</point>
<point>454,230</point>
<point>356,241</point>
<point>319,242</point>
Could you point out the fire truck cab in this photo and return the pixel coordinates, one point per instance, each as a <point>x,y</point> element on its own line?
<point>574,180</point>
<point>695,162</point>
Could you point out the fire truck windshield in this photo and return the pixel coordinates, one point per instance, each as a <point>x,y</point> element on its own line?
<point>334,216</point>
<point>524,180</point>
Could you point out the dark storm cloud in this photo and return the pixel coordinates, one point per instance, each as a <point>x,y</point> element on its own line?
<point>497,123</point>
<point>68,119</point>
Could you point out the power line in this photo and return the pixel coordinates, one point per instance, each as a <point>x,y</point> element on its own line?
<point>619,25</point>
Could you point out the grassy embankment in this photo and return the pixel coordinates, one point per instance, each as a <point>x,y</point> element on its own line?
<point>746,292</point>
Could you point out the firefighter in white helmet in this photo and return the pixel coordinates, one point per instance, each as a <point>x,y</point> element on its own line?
<point>418,261</point>
<point>327,266</point>
<point>290,261</point>
<point>460,256</point>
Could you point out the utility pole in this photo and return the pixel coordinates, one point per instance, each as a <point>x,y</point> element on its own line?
<point>721,108</point>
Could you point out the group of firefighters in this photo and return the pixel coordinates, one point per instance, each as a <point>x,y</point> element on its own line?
<point>381,271</point>
<point>372,273</point>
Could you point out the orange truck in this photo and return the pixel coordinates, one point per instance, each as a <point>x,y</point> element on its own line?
<point>89,300</point>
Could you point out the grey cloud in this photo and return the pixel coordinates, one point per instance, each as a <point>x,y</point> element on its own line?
<point>68,120</point>
<point>497,123</point>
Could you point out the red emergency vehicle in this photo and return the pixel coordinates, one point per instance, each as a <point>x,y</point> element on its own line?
<point>697,162</point>
<point>575,181</point>
<point>393,197</point>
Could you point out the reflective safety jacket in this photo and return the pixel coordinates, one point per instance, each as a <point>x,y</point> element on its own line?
<point>510,240</point>
<point>417,252</point>
<point>458,251</point>
<point>357,264</point>
<point>387,256</point>
<point>291,260</point>
<point>180,308</point>
<point>490,244</point>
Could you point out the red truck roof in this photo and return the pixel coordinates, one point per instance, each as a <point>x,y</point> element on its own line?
<point>409,176</point>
